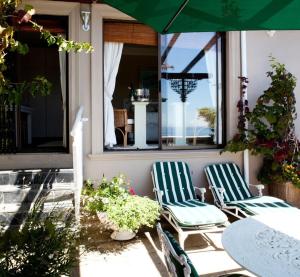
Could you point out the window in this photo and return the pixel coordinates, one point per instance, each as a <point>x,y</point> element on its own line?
<point>41,122</point>
<point>192,104</point>
<point>187,112</point>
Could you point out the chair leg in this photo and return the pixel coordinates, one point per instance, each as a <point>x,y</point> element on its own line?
<point>125,136</point>
<point>181,238</point>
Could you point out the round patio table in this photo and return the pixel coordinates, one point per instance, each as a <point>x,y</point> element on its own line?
<point>267,245</point>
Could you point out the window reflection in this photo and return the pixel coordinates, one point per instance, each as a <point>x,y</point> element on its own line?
<point>191,89</point>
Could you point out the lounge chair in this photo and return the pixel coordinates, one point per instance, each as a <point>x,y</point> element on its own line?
<point>177,261</point>
<point>176,195</point>
<point>232,194</point>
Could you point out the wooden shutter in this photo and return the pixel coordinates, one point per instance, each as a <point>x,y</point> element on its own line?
<point>131,33</point>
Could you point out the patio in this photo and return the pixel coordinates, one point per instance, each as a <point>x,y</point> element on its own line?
<point>142,256</point>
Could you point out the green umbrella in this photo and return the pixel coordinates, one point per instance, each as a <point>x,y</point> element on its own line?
<point>175,16</point>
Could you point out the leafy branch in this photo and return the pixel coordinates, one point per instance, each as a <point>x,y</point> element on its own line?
<point>10,18</point>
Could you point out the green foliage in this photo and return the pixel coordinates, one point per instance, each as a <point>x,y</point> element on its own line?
<point>96,197</point>
<point>209,114</point>
<point>133,212</point>
<point>44,246</point>
<point>124,209</point>
<point>14,91</point>
<point>61,42</point>
<point>10,18</point>
<point>271,131</point>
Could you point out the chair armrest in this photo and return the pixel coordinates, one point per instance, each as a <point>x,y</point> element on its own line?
<point>202,193</point>
<point>159,194</point>
<point>221,191</point>
<point>259,187</point>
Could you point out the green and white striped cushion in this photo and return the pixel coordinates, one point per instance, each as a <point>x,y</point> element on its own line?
<point>228,177</point>
<point>174,179</point>
<point>192,213</point>
<point>179,251</point>
<point>264,204</point>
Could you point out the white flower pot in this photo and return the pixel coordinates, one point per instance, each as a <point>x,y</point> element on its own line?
<point>117,234</point>
<point>123,235</point>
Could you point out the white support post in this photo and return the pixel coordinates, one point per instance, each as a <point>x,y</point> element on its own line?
<point>77,148</point>
<point>244,73</point>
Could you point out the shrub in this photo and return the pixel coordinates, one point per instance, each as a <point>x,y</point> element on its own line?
<point>124,209</point>
<point>271,131</point>
<point>44,246</point>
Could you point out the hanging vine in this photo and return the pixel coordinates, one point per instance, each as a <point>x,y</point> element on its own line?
<point>11,17</point>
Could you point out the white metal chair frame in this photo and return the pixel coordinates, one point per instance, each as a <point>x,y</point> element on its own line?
<point>184,232</point>
<point>169,251</point>
<point>218,194</point>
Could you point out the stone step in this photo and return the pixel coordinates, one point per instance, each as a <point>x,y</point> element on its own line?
<point>29,195</point>
<point>13,215</point>
<point>25,207</point>
<point>40,176</point>
<point>21,189</point>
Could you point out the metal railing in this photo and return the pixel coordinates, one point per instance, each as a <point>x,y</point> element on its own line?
<point>8,125</point>
<point>77,146</point>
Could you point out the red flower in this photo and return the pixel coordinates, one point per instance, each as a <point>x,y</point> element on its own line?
<point>131,191</point>
<point>280,156</point>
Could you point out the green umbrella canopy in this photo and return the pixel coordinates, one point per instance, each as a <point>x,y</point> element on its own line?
<point>174,16</point>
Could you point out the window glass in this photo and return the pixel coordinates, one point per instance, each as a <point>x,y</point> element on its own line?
<point>189,110</point>
<point>131,115</point>
<point>40,122</point>
<point>191,90</point>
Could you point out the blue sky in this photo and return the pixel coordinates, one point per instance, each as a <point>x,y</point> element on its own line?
<point>187,46</point>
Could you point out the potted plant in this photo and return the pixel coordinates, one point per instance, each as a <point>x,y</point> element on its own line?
<point>271,133</point>
<point>118,207</point>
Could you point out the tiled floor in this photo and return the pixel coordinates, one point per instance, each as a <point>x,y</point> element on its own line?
<point>101,256</point>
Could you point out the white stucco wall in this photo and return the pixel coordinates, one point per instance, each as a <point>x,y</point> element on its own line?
<point>137,165</point>
<point>86,81</point>
<point>284,46</point>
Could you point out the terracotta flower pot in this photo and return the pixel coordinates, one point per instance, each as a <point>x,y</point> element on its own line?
<point>287,192</point>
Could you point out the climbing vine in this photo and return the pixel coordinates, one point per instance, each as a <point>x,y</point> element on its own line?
<point>11,17</point>
<point>271,131</point>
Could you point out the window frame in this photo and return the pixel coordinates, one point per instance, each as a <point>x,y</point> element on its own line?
<point>160,147</point>
<point>223,104</point>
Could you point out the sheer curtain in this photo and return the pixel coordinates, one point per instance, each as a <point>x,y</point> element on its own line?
<point>63,85</point>
<point>211,63</point>
<point>112,57</point>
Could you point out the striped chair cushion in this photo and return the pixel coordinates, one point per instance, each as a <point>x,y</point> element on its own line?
<point>193,213</point>
<point>179,251</point>
<point>264,204</point>
<point>174,179</point>
<point>228,177</point>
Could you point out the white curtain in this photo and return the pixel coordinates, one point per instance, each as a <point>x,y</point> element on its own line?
<point>112,57</point>
<point>211,65</point>
<point>63,85</point>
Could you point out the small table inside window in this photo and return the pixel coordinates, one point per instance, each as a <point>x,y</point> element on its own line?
<point>140,124</point>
